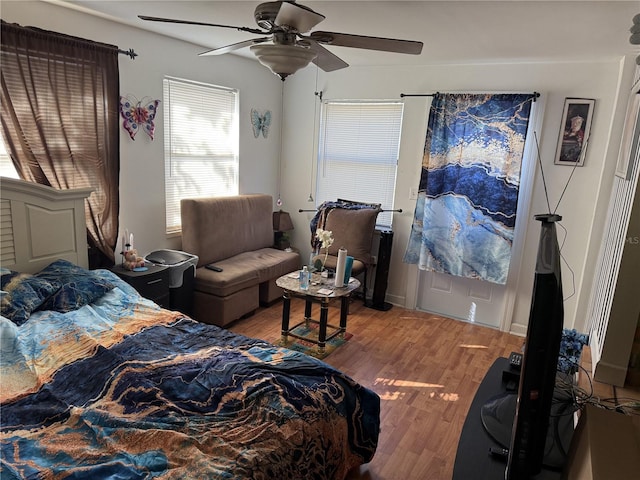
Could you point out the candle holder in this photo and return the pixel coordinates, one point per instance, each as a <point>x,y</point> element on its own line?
<point>127,247</point>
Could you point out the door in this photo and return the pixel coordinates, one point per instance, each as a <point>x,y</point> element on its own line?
<point>467,299</point>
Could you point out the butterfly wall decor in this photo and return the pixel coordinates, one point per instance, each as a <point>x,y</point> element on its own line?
<point>260,122</point>
<point>137,114</point>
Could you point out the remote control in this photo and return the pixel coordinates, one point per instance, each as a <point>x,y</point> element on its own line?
<point>515,360</point>
<point>211,266</point>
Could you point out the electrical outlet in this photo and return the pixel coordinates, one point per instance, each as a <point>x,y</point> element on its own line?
<point>413,193</point>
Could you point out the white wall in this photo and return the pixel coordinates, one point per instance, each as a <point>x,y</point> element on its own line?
<point>142,162</point>
<point>582,203</point>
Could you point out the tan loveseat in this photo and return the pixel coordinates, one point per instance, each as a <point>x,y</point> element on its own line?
<point>235,234</point>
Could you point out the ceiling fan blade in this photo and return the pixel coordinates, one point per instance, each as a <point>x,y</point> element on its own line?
<point>369,43</point>
<point>326,60</point>
<point>189,22</point>
<point>297,16</point>
<point>234,46</point>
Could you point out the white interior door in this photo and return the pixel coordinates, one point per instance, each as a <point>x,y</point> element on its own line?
<point>462,298</point>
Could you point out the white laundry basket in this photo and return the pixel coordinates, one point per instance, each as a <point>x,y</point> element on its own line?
<point>182,270</point>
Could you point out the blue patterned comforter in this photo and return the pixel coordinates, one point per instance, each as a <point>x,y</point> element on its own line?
<point>122,389</point>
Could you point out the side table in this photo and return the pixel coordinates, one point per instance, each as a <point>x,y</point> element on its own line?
<point>153,283</point>
<point>321,290</point>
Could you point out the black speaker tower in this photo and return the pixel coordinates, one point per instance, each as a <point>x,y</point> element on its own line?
<point>382,273</point>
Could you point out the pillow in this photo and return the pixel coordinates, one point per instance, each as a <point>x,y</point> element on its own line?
<point>22,294</point>
<point>78,286</point>
<point>353,230</point>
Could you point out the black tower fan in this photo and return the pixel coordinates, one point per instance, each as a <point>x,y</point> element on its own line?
<point>382,272</point>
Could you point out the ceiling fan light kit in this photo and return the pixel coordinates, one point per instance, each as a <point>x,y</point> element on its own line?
<point>284,23</point>
<point>283,60</point>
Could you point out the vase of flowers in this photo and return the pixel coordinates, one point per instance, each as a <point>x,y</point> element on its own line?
<point>325,239</point>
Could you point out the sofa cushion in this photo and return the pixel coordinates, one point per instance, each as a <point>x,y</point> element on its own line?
<point>246,269</point>
<point>233,278</point>
<point>221,227</point>
<point>272,263</point>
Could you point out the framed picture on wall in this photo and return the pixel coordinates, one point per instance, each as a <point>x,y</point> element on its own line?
<point>630,134</point>
<point>574,131</point>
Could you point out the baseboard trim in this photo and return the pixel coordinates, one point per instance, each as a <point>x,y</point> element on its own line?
<point>520,330</point>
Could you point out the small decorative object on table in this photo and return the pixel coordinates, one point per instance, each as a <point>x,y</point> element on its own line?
<point>340,268</point>
<point>325,239</point>
<point>132,261</point>
<point>130,258</point>
<point>304,278</point>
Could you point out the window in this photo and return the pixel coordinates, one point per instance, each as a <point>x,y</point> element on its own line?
<point>358,153</point>
<point>201,144</point>
<point>6,165</point>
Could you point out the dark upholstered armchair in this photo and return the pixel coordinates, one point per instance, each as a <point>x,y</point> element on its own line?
<point>353,229</point>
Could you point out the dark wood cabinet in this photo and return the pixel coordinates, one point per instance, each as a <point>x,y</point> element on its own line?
<point>153,283</point>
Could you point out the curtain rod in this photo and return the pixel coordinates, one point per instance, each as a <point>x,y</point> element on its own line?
<point>402,95</point>
<point>129,53</point>
<point>399,210</point>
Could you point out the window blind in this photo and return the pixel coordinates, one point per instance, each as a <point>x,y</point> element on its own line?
<point>201,144</point>
<point>358,153</point>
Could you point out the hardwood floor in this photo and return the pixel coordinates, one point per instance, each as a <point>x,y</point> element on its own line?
<point>425,368</point>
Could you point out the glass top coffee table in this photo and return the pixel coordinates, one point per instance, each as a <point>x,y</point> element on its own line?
<point>321,290</point>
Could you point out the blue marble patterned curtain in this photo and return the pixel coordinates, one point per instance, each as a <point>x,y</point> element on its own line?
<point>465,214</point>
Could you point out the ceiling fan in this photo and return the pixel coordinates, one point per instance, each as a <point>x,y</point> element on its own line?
<point>284,46</point>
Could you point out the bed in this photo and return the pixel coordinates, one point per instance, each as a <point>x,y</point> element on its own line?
<point>98,382</point>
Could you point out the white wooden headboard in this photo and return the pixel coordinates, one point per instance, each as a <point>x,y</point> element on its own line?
<point>39,224</point>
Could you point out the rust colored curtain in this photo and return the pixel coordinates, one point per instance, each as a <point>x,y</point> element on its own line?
<point>59,117</point>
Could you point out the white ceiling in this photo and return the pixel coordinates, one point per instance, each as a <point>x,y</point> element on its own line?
<point>452,31</point>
